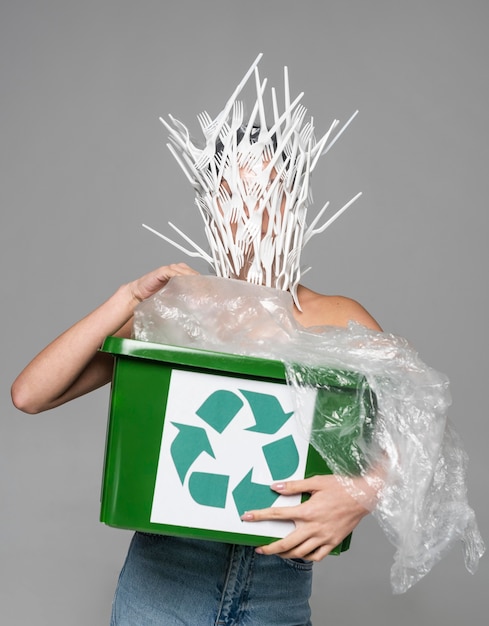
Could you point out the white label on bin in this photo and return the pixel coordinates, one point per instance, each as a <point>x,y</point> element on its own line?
<point>225,440</point>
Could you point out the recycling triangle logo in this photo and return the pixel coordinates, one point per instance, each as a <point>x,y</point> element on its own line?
<point>225,440</point>
<point>217,412</point>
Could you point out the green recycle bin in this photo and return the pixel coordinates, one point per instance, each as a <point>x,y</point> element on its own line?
<point>195,438</point>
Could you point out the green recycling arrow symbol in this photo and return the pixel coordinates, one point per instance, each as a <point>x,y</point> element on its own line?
<point>267,411</point>
<point>209,489</point>
<point>220,409</point>
<point>282,457</point>
<point>187,446</point>
<point>249,495</point>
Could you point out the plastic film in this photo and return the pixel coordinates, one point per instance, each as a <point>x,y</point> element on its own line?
<point>217,314</point>
<point>389,441</point>
<point>408,452</point>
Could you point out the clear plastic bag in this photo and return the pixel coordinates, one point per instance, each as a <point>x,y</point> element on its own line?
<point>216,314</point>
<point>409,451</point>
<point>393,432</point>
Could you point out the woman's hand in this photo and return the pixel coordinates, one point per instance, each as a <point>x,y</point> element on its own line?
<point>152,282</point>
<point>321,523</point>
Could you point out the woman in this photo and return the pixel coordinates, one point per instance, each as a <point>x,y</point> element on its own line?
<point>252,189</point>
<point>177,581</point>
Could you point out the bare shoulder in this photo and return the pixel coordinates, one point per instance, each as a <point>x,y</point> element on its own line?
<point>323,310</point>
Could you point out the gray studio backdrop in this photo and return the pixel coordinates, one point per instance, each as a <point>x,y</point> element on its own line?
<point>84,163</point>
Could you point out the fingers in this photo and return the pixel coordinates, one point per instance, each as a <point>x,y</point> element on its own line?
<point>180,268</point>
<point>299,545</point>
<point>288,488</point>
<point>272,513</point>
<point>306,528</point>
<point>164,273</point>
<point>321,522</point>
<point>294,487</point>
<point>308,551</point>
<point>149,284</point>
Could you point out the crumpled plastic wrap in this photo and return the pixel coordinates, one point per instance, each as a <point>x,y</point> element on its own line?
<point>216,314</point>
<point>398,442</point>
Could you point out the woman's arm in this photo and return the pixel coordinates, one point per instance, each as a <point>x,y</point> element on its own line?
<point>72,365</point>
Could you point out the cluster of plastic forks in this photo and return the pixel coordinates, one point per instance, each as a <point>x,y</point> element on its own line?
<point>253,192</point>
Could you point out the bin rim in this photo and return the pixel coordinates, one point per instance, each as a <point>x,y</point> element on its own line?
<point>254,366</point>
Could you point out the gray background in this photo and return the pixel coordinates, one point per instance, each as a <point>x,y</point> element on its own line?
<point>84,162</point>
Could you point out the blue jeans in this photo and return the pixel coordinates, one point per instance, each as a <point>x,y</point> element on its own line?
<point>170,581</point>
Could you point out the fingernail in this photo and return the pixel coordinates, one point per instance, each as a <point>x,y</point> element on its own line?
<point>246,517</point>
<point>278,486</point>
<point>259,551</point>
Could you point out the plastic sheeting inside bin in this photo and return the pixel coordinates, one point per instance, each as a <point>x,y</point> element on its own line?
<point>410,453</point>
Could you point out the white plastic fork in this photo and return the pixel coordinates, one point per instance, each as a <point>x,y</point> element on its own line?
<point>205,121</point>
<point>306,133</point>
<point>255,273</point>
<point>197,252</point>
<point>298,115</point>
<point>185,136</point>
<point>252,227</point>
<point>267,253</point>
<point>311,231</point>
<point>229,139</point>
